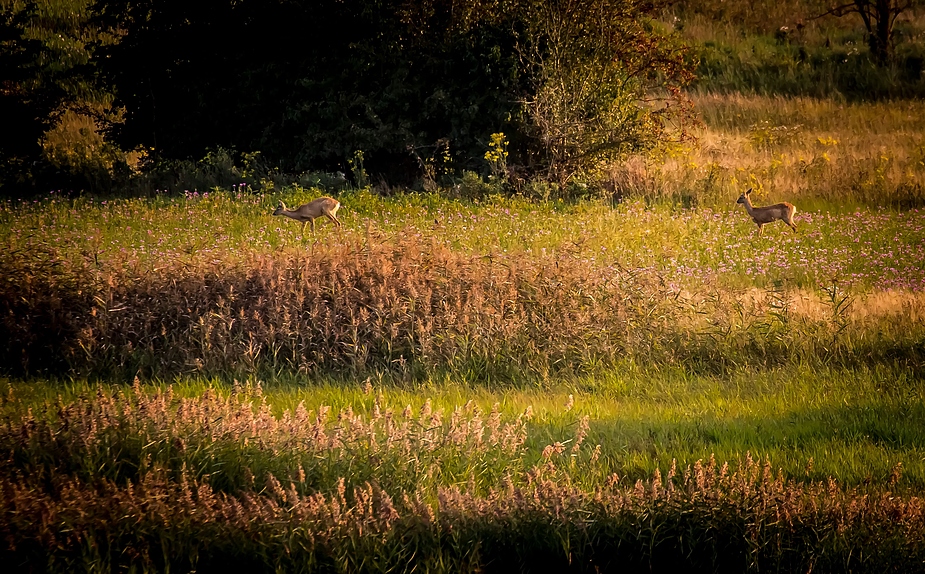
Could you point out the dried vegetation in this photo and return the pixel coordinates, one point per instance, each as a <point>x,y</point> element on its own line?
<point>413,308</point>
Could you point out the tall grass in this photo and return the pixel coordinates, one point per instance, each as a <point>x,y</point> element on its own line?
<point>414,306</point>
<point>135,480</point>
<point>417,361</point>
<point>813,422</point>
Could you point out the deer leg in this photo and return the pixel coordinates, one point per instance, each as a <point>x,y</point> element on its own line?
<point>303,230</point>
<point>312,221</point>
<point>760,226</point>
<point>332,217</point>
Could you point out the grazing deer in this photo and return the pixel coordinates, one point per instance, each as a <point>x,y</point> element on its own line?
<point>761,215</point>
<point>307,213</point>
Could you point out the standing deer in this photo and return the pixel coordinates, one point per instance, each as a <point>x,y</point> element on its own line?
<point>761,215</point>
<point>326,206</point>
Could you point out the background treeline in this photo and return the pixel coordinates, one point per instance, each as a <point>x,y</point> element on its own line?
<point>402,90</point>
<point>96,94</point>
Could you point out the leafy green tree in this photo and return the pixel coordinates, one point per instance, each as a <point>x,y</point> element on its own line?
<point>307,84</point>
<point>55,112</point>
<point>20,132</point>
<point>605,81</point>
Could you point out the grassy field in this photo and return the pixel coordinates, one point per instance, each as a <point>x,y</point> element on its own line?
<point>457,385</point>
<point>822,154</point>
<point>489,378</point>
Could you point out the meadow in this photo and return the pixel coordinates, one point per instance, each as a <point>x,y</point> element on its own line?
<point>459,383</point>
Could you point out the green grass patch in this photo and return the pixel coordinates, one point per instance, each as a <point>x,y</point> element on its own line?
<point>200,474</point>
<point>852,425</point>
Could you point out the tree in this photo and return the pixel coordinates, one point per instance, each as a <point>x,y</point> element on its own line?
<point>879,17</point>
<point>309,83</point>
<point>571,83</point>
<point>17,106</point>
<point>55,113</point>
<point>605,81</point>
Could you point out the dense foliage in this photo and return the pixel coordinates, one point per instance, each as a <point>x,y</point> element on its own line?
<point>405,93</point>
<point>411,88</point>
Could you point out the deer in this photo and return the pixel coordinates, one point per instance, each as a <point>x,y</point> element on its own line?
<point>761,215</point>
<point>326,206</point>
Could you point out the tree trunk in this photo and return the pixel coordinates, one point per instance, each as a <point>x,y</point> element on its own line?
<point>878,19</point>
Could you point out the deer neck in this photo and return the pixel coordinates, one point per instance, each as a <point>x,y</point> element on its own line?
<point>748,206</point>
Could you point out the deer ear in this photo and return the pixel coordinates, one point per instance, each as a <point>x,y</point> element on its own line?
<point>749,191</point>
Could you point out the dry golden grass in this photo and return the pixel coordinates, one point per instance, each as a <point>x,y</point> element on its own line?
<point>413,307</point>
<point>807,151</point>
<point>880,306</point>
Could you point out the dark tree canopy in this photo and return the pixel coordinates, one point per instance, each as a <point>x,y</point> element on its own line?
<point>308,84</point>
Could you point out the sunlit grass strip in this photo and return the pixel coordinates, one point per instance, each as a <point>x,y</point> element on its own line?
<point>814,422</point>
<point>150,480</point>
<point>120,436</point>
<point>865,248</point>
<point>820,154</point>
